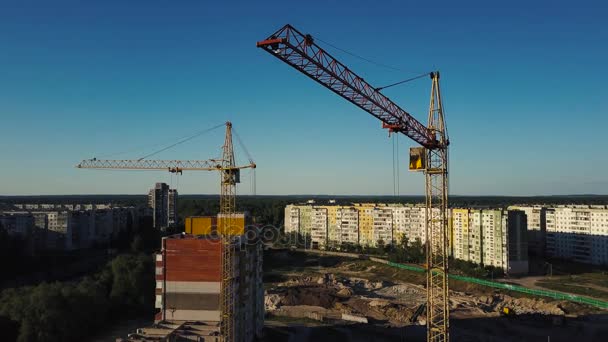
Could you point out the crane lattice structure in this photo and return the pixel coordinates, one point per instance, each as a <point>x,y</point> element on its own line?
<point>229,177</point>
<point>302,53</point>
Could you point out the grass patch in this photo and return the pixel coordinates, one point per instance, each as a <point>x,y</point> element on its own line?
<point>578,289</point>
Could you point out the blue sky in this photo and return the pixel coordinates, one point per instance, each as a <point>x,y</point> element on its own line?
<point>524,92</point>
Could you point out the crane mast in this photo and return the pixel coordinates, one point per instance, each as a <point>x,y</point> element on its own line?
<point>229,177</point>
<point>436,180</point>
<point>302,53</point>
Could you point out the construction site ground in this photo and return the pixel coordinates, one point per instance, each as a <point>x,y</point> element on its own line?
<point>311,297</point>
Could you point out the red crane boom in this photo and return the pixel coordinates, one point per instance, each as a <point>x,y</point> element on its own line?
<point>301,52</point>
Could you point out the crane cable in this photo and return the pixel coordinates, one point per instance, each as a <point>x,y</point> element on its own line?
<point>404,81</point>
<point>251,171</point>
<point>181,141</point>
<point>394,190</point>
<point>242,145</point>
<point>396,184</point>
<point>397,159</point>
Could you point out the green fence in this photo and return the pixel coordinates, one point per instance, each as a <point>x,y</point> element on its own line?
<point>545,293</point>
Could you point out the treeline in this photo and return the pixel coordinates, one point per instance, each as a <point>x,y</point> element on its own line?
<point>265,210</point>
<point>404,251</point>
<point>71,311</point>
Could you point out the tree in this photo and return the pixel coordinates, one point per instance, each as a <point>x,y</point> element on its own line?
<point>133,281</point>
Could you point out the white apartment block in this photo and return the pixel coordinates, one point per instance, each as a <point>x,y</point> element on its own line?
<point>488,237</point>
<point>347,219</point>
<point>362,224</point>
<point>578,233</point>
<point>292,219</point>
<point>409,222</point>
<point>77,229</point>
<point>382,218</point>
<point>318,227</point>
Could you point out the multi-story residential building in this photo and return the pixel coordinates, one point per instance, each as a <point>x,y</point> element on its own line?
<point>347,219</point>
<point>163,201</point>
<point>292,219</point>
<point>172,208</point>
<point>18,224</point>
<point>537,230</point>
<point>366,224</point>
<point>578,233</point>
<point>318,227</point>
<point>461,246</point>
<point>382,218</point>
<point>517,241</point>
<point>490,237</point>
<point>188,290</point>
<point>76,229</point>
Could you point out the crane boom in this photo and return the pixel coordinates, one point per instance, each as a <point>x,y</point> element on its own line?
<point>301,52</point>
<point>170,165</point>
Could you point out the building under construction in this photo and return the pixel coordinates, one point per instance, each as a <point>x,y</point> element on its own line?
<point>189,282</point>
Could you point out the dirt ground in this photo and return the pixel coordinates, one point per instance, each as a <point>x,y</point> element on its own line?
<point>318,298</point>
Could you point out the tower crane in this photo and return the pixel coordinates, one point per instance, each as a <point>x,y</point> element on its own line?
<point>229,177</point>
<point>302,53</point>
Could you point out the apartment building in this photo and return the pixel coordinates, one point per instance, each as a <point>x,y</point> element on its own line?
<point>188,290</point>
<point>72,229</point>
<point>366,224</point>
<point>491,237</point>
<point>163,202</point>
<point>537,230</point>
<point>461,237</point>
<point>319,223</point>
<point>21,224</point>
<point>360,223</point>
<point>347,221</point>
<point>382,218</point>
<point>578,233</point>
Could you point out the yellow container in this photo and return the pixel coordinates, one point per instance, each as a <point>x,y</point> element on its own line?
<point>234,225</point>
<point>200,225</point>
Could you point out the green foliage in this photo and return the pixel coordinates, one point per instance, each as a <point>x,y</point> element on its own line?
<point>12,254</point>
<point>267,210</point>
<point>471,269</point>
<point>71,310</point>
<point>293,239</point>
<point>132,282</point>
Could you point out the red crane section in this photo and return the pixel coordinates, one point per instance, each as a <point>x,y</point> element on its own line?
<point>301,52</point>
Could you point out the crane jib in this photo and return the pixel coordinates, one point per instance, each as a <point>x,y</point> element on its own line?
<point>300,52</point>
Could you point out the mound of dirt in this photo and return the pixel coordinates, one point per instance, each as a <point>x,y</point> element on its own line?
<point>311,296</point>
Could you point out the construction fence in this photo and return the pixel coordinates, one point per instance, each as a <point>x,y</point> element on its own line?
<point>509,287</point>
<point>517,288</point>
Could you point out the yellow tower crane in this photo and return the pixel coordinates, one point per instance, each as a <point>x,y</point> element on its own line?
<point>229,177</point>
<point>301,52</point>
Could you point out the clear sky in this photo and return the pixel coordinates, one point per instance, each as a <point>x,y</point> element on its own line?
<point>524,87</point>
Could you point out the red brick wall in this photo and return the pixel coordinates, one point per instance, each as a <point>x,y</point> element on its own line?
<point>192,259</point>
